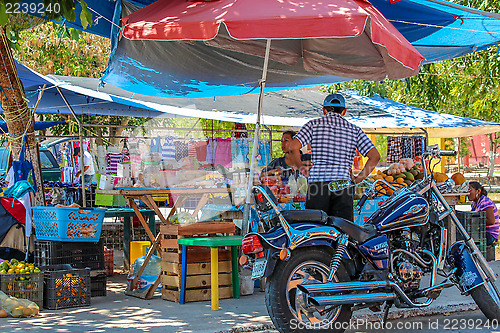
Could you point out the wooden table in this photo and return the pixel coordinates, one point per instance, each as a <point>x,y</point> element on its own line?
<point>146,195</point>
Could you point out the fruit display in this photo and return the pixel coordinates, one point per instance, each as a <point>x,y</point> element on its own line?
<point>407,171</point>
<point>21,280</point>
<point>399,174</point>
<point>18,267</point>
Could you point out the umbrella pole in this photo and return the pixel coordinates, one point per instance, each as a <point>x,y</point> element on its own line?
<point>262,83</point>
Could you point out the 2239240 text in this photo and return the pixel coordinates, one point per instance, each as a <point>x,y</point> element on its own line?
<point>32,8</point>
<point>467,324</point>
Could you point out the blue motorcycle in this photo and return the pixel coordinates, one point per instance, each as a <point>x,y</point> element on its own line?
<point>320,268</point>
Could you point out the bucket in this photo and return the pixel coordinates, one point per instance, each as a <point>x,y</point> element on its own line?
<point>138,249</point>
<point>246,282</point>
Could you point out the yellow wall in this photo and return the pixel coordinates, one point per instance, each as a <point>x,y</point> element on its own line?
<point>440,142</point>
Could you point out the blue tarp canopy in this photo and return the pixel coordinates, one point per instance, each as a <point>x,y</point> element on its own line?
<point>39,125</point>
<point>84,101</point>
<point>286,108</point>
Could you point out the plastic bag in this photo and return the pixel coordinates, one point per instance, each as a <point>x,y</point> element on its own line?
<point>18,307</point>
<point>302,185</point>
<point>182,218</point>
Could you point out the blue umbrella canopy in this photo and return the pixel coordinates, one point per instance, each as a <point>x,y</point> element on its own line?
<point>39,125</point>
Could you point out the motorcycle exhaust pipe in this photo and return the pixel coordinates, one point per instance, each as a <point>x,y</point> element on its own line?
<point>333,287</point>
<point>350,299</point>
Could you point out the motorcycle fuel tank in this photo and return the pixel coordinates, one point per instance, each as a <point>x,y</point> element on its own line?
<point>401,211</point>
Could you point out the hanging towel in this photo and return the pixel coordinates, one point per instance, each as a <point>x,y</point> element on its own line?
<point>201,150</point>
<point>168,149</point>
<point>223,153</point>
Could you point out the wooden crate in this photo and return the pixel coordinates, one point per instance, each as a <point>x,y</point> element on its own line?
<point>198,279</point>
<point>194,295</point>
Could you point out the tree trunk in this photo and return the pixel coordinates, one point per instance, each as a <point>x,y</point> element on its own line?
<point>20,121</point>
<point>115,132</point>
<point>493,154</point>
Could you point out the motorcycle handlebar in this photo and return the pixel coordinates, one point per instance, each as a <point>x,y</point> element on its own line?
<point>448,153</point>
<point>361,202</point>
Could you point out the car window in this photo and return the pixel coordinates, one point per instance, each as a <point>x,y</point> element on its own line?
<point>47,160</point>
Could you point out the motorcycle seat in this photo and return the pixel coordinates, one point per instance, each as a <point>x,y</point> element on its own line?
<point>357,232</point>
<point>307,215</point>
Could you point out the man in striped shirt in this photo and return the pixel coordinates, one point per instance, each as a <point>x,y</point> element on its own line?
<point>333,141</point>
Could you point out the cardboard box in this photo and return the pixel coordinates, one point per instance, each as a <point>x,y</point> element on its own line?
<point>124,170</point>
<point>107,182</point>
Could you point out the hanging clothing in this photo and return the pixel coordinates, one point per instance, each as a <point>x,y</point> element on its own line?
<point>181,150</point>
<point>419,145</point>
<point>240,134</point>
<point>112,160</point>
<point>407,147</point>
<point>265,153</point>
<point>394,149</point>
<point>201,150</point>
<point>240,150</point>
<point>168,149</point>
<point>155,145</point>
<point>191,149</point>
<point>223,153</point>
<point>211,147</point>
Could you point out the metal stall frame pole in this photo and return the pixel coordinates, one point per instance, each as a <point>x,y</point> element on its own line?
<point>246,211</point>
<point>80,138</point>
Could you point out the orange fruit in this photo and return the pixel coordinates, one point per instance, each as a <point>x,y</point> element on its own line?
<point>389,178</point>
<point>400,180</point>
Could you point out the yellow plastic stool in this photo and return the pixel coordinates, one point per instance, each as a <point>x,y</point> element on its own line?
<point>138,249</point>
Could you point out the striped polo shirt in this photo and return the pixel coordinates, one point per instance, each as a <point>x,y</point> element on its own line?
<point>333,141</point>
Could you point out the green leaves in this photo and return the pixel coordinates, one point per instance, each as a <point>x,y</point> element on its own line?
<point>85,15</point>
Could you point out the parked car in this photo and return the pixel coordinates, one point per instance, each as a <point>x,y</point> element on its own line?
<point>50,168</point>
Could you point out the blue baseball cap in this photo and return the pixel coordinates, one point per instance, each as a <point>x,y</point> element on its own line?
<point>334,100</point>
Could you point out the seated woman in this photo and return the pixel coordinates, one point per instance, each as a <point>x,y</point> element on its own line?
<point>480,202</point>
<point>281,165</point>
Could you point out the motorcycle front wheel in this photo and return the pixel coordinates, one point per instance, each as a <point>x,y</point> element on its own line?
<point>309,265</point>
<point>487,299</point>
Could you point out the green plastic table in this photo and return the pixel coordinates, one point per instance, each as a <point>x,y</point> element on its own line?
<point>127,214</point>
<point>213,243</point>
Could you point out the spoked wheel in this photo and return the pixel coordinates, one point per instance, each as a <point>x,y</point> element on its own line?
<point>285,303</point>
<point>487,298</point>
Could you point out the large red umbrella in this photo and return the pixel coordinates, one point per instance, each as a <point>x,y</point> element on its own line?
<point>347,38</point>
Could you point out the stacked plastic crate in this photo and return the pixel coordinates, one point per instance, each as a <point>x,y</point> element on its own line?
<point>71,236</point>
<point>475,225</point>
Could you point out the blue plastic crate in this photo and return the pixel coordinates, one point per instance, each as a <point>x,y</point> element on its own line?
<point>70,224</point>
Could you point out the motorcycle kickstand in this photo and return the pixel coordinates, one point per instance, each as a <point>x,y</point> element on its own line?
<point>383,320</point>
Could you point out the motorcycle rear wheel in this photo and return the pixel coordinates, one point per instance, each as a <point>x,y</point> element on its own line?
<point>487,298</point>
<point>311,265</point>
